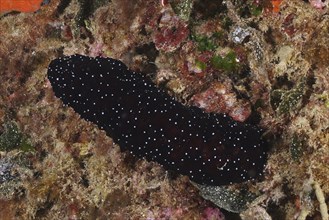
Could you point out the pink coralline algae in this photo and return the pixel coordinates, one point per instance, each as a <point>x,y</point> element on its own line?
<point>96,49</point>
<point>170,33</point>
<point>318,4</point>
<point>213,214</point>
<point>219,98</point>
<point>166,213</point>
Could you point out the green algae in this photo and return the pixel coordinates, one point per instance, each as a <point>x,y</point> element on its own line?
<point>205,43</point>
<point>201,65</point>
<point>227,23</point>
<point>183,8</point>
<point>325,99</point>
<point>255,10</point>
<point>227,63</point>
<point>249,8</point>
<point>285,101</point>
<point>12,138</point>
<point>296,147</point>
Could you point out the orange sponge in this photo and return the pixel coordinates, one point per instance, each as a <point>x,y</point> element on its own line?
<point>276,5</point>
<point>19,5</point>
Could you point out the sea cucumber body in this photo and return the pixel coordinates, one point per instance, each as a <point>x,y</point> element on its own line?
<point>210,148</point>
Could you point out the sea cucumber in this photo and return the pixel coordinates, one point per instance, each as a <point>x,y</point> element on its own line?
<point>210,148</point>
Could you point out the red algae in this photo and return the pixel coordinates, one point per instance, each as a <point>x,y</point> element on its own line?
<point>171,32</point>
<point>220,98</point>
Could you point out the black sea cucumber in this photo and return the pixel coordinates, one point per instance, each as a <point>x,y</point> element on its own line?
<point>210,148</point>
